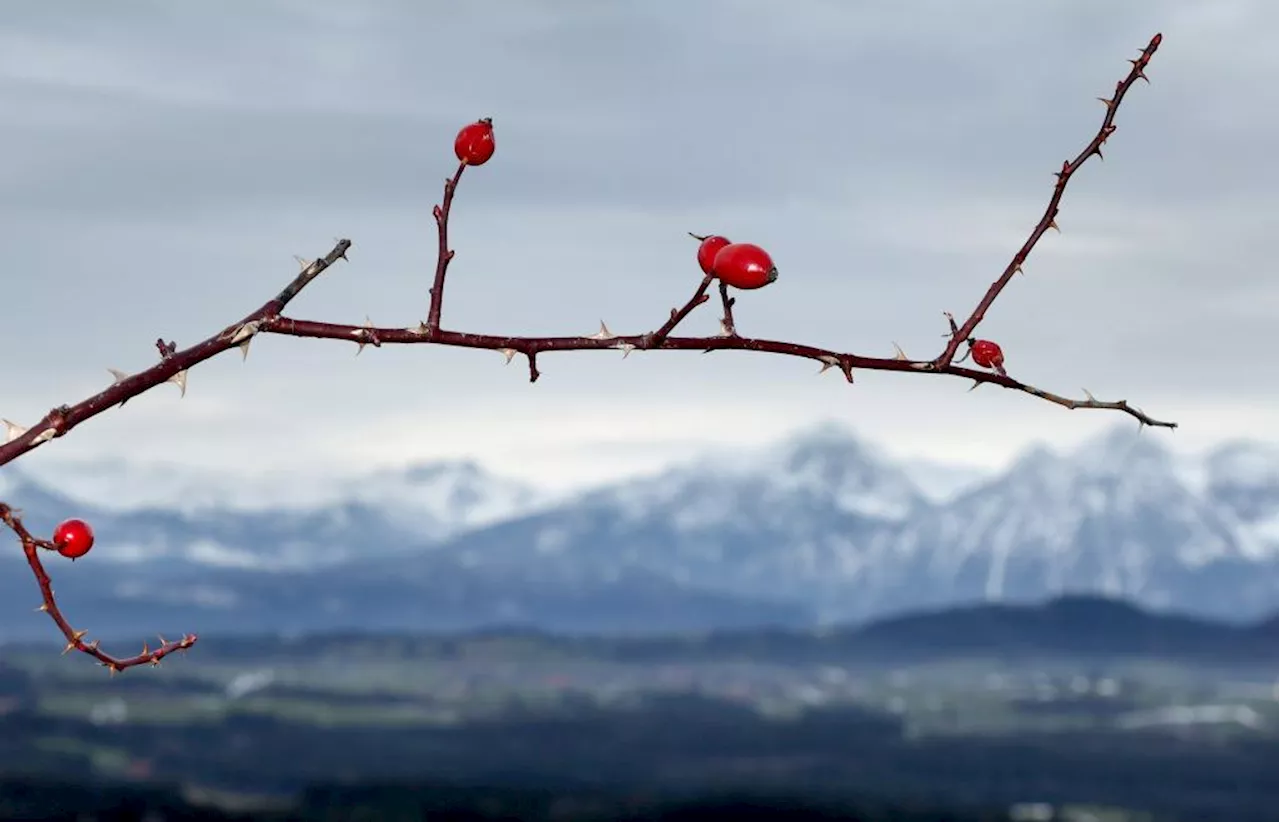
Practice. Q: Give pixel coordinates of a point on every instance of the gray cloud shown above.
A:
(163, 162)
(197, 109)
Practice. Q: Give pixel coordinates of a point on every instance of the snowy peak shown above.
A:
(1121, 449)
(440, 498)
(1244, 463)
(830, 461)
(1118, 496)
(823, 467)
(1243, 480)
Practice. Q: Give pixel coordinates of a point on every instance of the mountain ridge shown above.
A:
(820, 527)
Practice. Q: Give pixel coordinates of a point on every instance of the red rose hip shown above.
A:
(744, 265)
(474, 143)
(987, 354)
(708, 248)
(73, 538)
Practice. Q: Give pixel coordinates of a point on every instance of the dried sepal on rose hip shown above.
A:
(708, 247)
(474, 143)
(744, 265)
(987, 354)
(73, 538)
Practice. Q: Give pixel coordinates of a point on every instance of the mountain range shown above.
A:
(817, 529)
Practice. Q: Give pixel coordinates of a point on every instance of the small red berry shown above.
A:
(73, 537)
(474, 143)
(708, 249)
(987, 354)
(744, 265)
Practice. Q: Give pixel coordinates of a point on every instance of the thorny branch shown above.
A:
(268, 319)
(31, 546)
(1049, 219)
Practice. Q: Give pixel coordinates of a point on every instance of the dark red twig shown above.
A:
(444, 254)
(31, 546)
(1049, 219)
(727, 327)
(268, 319)
(699, 297)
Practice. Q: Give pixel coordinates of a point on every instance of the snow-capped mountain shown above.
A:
(384, 513)
(778, 525)
(1243, 481)
(823, 520)
(820, 524)
(1113, 518)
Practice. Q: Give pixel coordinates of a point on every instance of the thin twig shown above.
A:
(1049, 219)
(444, 254)
(727, 327)
(699, 297)
(75, 639)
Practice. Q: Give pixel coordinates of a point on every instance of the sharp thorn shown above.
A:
(12, 430)
(603, 334)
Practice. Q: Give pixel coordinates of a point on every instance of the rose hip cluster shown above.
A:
(741, 265)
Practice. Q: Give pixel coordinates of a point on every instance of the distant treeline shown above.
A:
(393, 802)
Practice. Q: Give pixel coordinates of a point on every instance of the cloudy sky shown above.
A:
(163, 163)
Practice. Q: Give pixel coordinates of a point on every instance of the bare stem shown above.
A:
(1049, 219)
(444, 255)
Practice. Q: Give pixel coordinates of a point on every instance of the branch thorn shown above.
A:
(366, 335)
(603, 334)
(12, 430)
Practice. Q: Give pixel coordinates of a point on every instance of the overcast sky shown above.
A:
(162, 163)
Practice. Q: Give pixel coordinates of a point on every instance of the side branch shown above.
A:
(172, 367)
(1049, 219)
(444, 254)
(75, 639)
